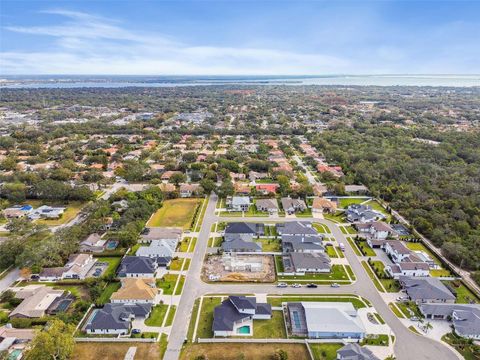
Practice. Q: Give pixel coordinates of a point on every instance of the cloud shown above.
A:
(83, 43)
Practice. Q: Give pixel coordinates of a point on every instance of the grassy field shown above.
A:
(270, 329)
(171, 315)
(464, 295)
(243, 351)
(325, 351)
(175, 212)
(114, 351)
(157, 316)
(187, 244)
(113, 263)
(345, 202)
(365, 248)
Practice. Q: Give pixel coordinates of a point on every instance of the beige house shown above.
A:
(135, 290)
(36, 300)
(323, 205)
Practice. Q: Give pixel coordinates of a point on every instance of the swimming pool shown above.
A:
(15, 354)
(243, 330)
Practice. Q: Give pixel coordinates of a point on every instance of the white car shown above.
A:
(296, 286)
(334, 285)
(282, 285)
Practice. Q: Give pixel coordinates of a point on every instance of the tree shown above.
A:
(178, 178)
(55, 342)
(207, 185)
(280, 355)
(225, 189)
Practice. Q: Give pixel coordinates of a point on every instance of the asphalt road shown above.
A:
(408, 346)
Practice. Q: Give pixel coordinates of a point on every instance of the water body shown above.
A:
(61, 81)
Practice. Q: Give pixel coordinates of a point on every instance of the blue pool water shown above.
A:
(243, 330)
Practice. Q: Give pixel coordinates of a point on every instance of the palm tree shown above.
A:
(390, 357)
(428, 326)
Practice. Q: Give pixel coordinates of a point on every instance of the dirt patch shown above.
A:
(239, 268)
(249, 351)
(114, 351)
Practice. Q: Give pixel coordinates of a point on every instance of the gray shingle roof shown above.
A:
(355, 352)
(114, 316)
(425, 288)
(136, 265)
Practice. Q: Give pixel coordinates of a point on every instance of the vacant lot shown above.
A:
(176, 212)
(114, 351)
(249, 351)
(72, 210)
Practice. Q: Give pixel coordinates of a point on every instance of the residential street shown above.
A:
(407, 344)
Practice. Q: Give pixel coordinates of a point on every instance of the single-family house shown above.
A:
(353, 351)
(300, 243)
(426, 290)
(135, 291)
(408, 268)
(267, 205)
(189, 190)
(238, 203)
(17, 211)
(36, 300)
(161, 251)
(291, 206)
(137, 266)
(93, 243)
(376, 230)
(358, 213)
(235, 315)
(245, 230)
(160, 233)
(116, 319)
(299, 228)
(325, 320)
(266, 189)
(46, 212)
(301, 263)
(323, 205)
(396, 250)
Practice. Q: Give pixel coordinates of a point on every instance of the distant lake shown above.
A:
(31, 82)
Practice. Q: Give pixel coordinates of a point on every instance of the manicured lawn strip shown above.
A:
(185, 244)
(162, 345)
(391, 285)
(340, 252)
(468, 350)
(440, 273)
(193, 319)
(277, 301)
(176, 264)
(324, 351)
(413, 329)
(350, 230)
(179, 288)
(395, 310)
(108, 291)
(306, 213)
(343, 230)
(279, 263)
(337, 273)
(187, 264)
(204, 329)
(270, 329)
(215, 242)
(167, 283)
(322, 228)
(350, 272)
(354, 246)
(379, 318)
(175, 212)
(171, 315)
(157, 316)
(372, 276)
(223, 351)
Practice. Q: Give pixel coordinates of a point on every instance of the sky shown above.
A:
(137, 37)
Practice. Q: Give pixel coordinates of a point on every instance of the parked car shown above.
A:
(296, 286)
(97, 272)
(334, 285)
(414, 318)
(136, 331)
(282, 285)
(312, 286)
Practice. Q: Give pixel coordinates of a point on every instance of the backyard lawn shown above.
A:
(113, 263)
(114, 351)
(175, 212)
(188, 244)
(270, 245)
(108, 291)
(463, 294)
(365, 248)
(325, 351)
(345, 202)
(270, 329)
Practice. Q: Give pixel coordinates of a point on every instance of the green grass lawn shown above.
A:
(157, 316)
(395, 310)
(440, 273)
(365, 248)
(331, 252)
(181, 282)
(354, 246)
(325, 351)
(468, 350)
(337, 217)
(193, 319)
(464, 295)
(391, 285)
(113, 263)
(408, 306)
(321, 228)
(376, 340)
(372, 276)
(270, 329)
(171, 315)
(337, 273)
(167, 283)
(175, 212)
(108, 291)
(376, 206)
(185, 244)
(345, 202)
(162, 345)
(176, 264)
(269, 245)
(418, 246)
(215, 242)
(279, 263)
(204, 329)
